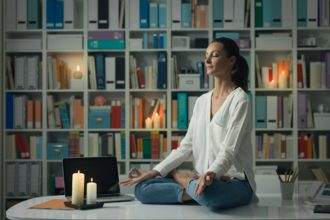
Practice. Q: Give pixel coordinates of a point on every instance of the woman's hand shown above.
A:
(203, 181)
(135, 176)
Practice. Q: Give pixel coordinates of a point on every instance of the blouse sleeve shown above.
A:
(179, 155)
(239, 125)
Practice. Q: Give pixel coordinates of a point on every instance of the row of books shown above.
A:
(106, 72)
(231, 13)
(107, 116)
(23, 14)
(23, 72)
(313, 146)
(148, 112)
(318, 75)
(64, 14)
(111, 40)
(269, 13)
(277, 74)
(69, 146)
(274, 146)
(274, 111)
(149, 76)
(105, 144)
(22, 112)
(305, 114)
(313, 13)
(198, 69)
(151, 145)
(23, 147)
(23, 178)
(147, 41)
(182, 109)
(242, 39)
(320, 174)
(60, 76)
(66, 113)
(104, 14)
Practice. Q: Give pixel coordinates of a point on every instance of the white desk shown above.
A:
(269, 207)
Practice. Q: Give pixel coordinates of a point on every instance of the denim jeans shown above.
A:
(219, 195)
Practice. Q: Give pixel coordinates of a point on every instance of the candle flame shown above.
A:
(78, 68)
(91, 179)
(78, 171)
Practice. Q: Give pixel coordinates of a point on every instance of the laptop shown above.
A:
(104, 172)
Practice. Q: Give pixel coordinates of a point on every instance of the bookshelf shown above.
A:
(51, 167)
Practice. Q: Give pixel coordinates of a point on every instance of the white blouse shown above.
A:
(221, 145)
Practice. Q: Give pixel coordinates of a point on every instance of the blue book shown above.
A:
(182, 110)
(33, 16)
(59, 15)
(162, 70)
(217, 13)
(267, 13)
(162, 15)
(9, 111)
(258, 17)
(64, 114)
(144, 14)
(100, 71)
(261, 111)
(276, 13)
(153, 15)
(39, 148)
(200, 71)
(57, 151)
(186, 14)
(145, 40)
(50, 10)
(302, 13)
(162, 40)
(154, 41)
(122, 145)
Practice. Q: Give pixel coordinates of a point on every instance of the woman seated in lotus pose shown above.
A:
(218, 138)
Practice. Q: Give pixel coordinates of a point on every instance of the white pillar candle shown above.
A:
(148, 123)
(156, 121)
(78, 182)
(283, 80)
(91, 192)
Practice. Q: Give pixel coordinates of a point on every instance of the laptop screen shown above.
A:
(103, 170)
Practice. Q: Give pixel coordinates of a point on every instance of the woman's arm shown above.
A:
(239, 125)
(178, 156)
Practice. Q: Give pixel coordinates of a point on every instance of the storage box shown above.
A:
(23, 44)
(64, 42)
(322, 120)
(99, 117)
(189, 81)
(180, 42)
(136, 43)
(274, 42)
(57, 151)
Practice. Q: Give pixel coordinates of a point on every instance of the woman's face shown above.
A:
(216, 61)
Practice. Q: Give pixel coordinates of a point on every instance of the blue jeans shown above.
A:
(219, 195)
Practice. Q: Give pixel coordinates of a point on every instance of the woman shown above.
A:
(218, 137)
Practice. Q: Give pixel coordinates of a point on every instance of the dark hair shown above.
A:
(240, 71)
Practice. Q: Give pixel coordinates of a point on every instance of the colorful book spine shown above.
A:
(182, 110)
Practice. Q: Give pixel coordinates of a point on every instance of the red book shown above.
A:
(115, 114)
(300, 76)
(133, 146)
(140, 76)
(22, 146)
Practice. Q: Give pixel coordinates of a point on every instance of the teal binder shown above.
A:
(186, 14)
(162, 11)
(231, 35)
(302, 13)
(33, 14)
(258, 13)
(267, 13)
(261, 111)
(217, 13)
(153, 15)
(276, 10)
(182, 110)
(112, 44)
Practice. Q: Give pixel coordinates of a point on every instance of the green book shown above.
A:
(258, 13)
(146, 143)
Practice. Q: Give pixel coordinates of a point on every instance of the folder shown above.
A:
(271, 111)
(312, 13)
(153, 15)
(50, 13)
(114, 14)
(217, 13)
(9, 111)
(182, 110)
(176, 14)
(78, 14)
(287, 13)
(110, 72)
(186, 13)
(228, 13)
(68, 14)
(10, 15)
(276, 9)
(33, 14)
(302, 13)
(100, 71)
(267, 13)
(302, 110)
(92, 14)
(103, 14)
(120, 72)
(144, 13)
(162, 15)
(134, 18)
(259, 13)
(21, 10)
(59, 14)
(162, 70)
(261, 111)
(239, 13)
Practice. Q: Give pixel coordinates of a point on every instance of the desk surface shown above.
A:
(269, 207)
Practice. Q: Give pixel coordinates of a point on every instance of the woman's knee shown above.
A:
(140, 191)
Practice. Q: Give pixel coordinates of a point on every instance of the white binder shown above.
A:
(110, 72)
(228, 13)
(92, 14)
(114, 13)
(287, 12)
(312, 13)
(21, 16)
(10, 19)
(68, 14)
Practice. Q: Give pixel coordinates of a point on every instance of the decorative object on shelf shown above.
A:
(77, 82)
(180, 42)
(99, 100)
(78, 182)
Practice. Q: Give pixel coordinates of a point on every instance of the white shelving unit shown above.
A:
(85, 93)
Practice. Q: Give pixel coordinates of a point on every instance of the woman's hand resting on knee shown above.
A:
(135, 176)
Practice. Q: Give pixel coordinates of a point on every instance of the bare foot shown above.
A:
(183, 176)
(136, 172)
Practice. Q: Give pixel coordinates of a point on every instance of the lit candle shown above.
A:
(282, 80)
(156, 121)
(78, 182)
(76, 81)
(91, 192)
(148, 123)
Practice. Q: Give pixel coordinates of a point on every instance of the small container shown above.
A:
(287, 189)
